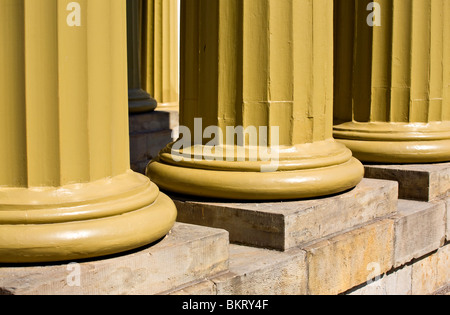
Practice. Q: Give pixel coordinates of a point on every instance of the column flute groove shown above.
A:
(160, 51)
(391, 81)
(66, 188)
(139, 99)
(248, 64)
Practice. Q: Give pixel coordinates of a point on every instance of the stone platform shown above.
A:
(187, 254)
(422, 182)
(285, 225)
(149, 134)
(402, 254)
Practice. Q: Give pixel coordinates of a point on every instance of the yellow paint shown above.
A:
(66, 191)
(160, 51)
(259, 63)
(392, 83)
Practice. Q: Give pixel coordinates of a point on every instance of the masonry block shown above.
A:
(205, 287)
(447, 227)
(432, 272)
(188, 254)
(255, 271)
(422, 182)
(419, 229)
(349, 259)
(149, 134)
(285, 225)
(396, 282)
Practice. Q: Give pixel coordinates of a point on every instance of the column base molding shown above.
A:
(304, 171)
(396, 142)
(82, 220)
(140, 101)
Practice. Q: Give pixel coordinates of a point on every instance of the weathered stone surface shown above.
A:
(447, 229)
(285, 225)
(397, 282)
(146, 146)
(444, 291)
(255, 271)
(349, 259)
(419, 229)
(422, 182)
(432, 272)
(149, 134)
(187, 254)
(153, 121)
(205, 287)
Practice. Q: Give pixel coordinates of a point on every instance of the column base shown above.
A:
(140, 101)
(396, 142)
(82, 220)
(303, 171)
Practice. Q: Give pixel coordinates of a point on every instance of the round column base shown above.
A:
(140, 101)
(396, 142)
(311, 174)
(82, 221)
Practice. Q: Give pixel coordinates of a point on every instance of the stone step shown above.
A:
(420, 228)
(341, 262)
(187, 254)
(285, 225)
(428, 275)
(256, 271)
(393, 255)
(149, 134)
(356, 257)
(328, 266)
(422, 182)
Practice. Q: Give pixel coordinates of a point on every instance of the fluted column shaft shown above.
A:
(392, 94)
(66, 190)
(257, 63)
(139, 99)
(160, 51)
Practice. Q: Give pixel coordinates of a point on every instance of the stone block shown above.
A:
(189, 253)
(255, 271)
(149, 134)
(431, 273)
(285, 225)
(146, 146)
(153, 121)
(351, 258)
(444, 291)
(419, 229)
(422, 182)
(396, 282)
(205, 287)
(447, 227)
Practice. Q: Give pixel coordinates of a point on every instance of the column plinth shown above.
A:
(255, 64)
(66, 190)
(392, 82)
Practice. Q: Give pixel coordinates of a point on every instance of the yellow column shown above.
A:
(139, 100)
(160, 51)
(392, 81)
(66, 190)
(256, 64)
